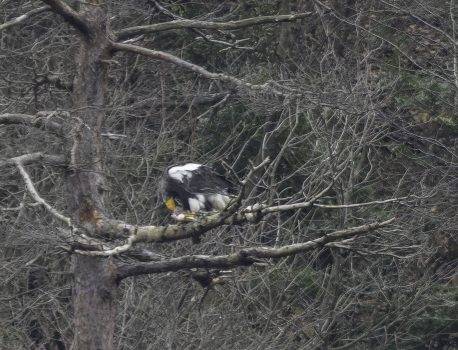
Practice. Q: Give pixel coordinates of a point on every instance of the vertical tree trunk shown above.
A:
(95, 287)
(95, 292)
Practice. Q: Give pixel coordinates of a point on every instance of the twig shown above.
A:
(213, 107)
(23, 17)
(355, 205)
(236, 203)
(232, 171)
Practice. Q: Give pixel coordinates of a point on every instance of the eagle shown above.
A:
(192, 188)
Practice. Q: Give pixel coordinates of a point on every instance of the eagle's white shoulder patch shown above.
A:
(180, 171)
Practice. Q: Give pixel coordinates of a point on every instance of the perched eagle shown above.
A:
(195, 188)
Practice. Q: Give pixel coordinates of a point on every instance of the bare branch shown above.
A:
(33, 192)
(69, 15)
(201, 34)
(236, 203)
(85, 245)
(158, 234)
(422, 20)
(188, 23)
(25, 159)
(410, 58)
(286, 207)
(22, 18)
(355, 205)
(108, 252)
(246, 256)
(212, 108)
(38, 121)
(231, 216)
(164, 56)
(119, 229)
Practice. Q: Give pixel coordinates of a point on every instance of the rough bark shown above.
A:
(95, 288)
(95, 292)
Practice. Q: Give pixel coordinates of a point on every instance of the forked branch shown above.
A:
(194, 24)
(244, 257)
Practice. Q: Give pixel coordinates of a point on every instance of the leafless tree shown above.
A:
(89, 137)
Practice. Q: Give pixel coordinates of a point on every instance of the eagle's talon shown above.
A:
(184, 217)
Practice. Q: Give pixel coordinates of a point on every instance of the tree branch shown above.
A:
(356, 205)
(69, 15)
(33, 192)
(237, 202)
(26, 159)
(108, 252)
(194, 24)
(38, 121)
(244, 257)
(111, 229)
(22, 18)
(200, 33)
(164, 56)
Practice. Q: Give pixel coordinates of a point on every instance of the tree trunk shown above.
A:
(95, 288)
(95, 291)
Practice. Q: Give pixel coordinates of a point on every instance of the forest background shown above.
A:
(339, 117)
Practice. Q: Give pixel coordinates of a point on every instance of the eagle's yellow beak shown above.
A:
(177, 213)
(170, 204)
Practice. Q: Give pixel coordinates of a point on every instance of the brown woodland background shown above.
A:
(364, 89)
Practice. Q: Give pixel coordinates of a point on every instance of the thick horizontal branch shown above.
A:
(115, 229)
(246, 256)
(118, 229)
(69, 15)
(164, 56)
(38, 157)
(22, 18)
(38, 121)
(157, 234)
(194, 24)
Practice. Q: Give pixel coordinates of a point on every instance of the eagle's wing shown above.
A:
(207, 181)
(201, 179)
